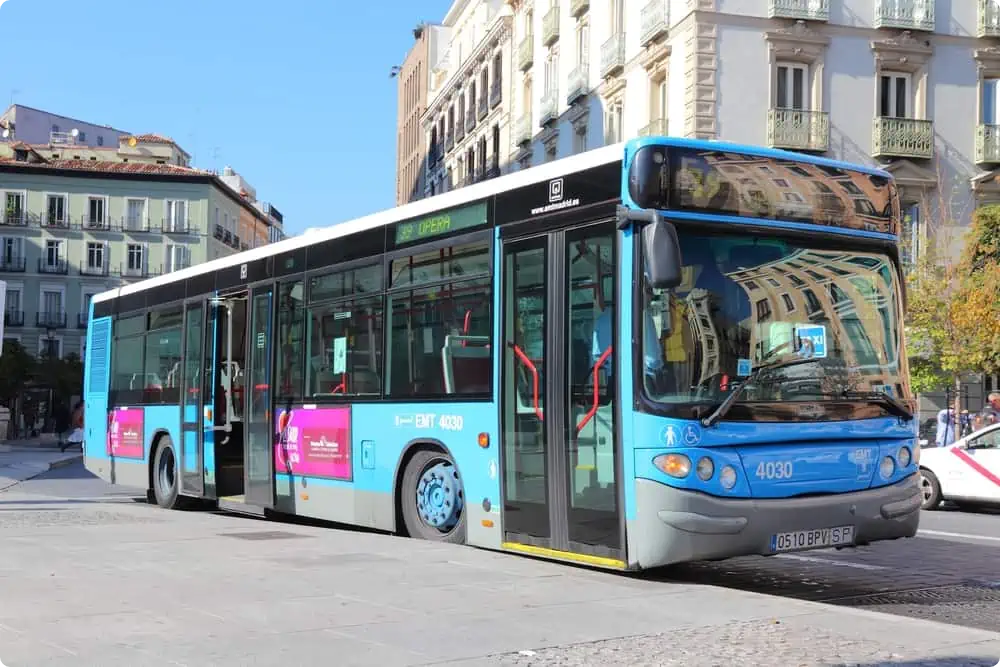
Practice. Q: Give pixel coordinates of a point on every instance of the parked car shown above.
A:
(966, 472)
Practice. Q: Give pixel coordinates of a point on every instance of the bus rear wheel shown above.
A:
(166, 489)
(433, 498)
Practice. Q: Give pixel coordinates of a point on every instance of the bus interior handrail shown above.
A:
(597, 390)
(523, 358)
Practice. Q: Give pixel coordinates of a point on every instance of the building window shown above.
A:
(95, 256)
(583, 44)
(579, 138)
(135, 214)
(614, 116)
(895, 95)
(50, 347)
(135, 258)
(13, 253)
(55, 209)
(792, 86)
(96, 210)
(100, 140)
(991, 97)
(13, 208)
(177, 257)
(176, 215)
(13, 303)
(53, 253)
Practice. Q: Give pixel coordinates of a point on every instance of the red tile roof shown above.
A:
(151, 139)
(109, 167)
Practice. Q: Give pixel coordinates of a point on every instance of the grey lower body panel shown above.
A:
(676, 526)
(126, 472)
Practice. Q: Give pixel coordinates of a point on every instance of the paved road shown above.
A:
(90, 577)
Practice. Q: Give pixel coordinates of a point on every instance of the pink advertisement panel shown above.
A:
(315, 442)
(125, 433)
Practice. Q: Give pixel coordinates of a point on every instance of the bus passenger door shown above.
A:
(559, 413)
(259, 439)
(192, 403)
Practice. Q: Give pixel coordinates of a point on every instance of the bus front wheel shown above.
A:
(166, 490)
(433, 499)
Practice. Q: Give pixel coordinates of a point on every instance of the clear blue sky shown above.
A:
(293, 94)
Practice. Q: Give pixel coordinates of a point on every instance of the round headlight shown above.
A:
(675, 465)
(886, 467)
(904, 457)
(727, 477)
(705, 468)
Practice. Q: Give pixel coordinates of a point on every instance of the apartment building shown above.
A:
(76, 220)
(910, 85)
(413, 83)
(35, 126)
(467, 119)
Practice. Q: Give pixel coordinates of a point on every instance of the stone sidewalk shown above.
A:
(123, 583)
(21, 460)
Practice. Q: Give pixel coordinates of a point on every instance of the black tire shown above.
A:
(931, 488)
(416, 526)
(166, 477)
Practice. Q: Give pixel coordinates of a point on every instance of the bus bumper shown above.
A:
(676, 526)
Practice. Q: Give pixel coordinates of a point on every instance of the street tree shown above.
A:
(16, 369)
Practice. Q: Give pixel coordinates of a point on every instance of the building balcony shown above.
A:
(796, 129)
(46, 320)
(549, 108)
(613, 55)
(988, 20)
(13, 318)
(483, 108)
(496, 92)
(805, 10)
(578, 82)
(236, 242)
(653, 21)
(227, 237)
(988, 144)
(526, 53)
(903, 137)
(12, 265)
(219, 232)
(141, 272)
(494, 168)
(470, 119)
(137, 226)
(522, 130)
(550, 26)
(905, 14)
(98, 225)
(59, 267)
(656, 127)
(176, 227)
(98, 270)
(55, 222)
(13, 218)
(578, 8)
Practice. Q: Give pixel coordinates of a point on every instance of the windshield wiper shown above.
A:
(726, 404)
(892, 404)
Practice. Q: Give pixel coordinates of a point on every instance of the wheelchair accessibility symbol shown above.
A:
(692, 435)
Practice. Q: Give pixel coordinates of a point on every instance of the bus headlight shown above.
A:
(675, 465)
(886, 467)
(705, 469)
(727, 477)
(904, 457)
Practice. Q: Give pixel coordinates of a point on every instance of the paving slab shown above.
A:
(18, 464)
(119, 582)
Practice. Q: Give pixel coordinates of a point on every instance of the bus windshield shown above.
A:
(747, 301)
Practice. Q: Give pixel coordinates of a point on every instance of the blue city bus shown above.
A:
(655, 352)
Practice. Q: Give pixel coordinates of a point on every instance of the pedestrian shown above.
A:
(991, 411)
(946, 427)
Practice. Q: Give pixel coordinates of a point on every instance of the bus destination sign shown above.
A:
(440, 224)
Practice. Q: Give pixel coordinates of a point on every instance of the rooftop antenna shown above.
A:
(13, 92)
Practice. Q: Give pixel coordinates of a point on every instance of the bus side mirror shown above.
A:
(663, 254)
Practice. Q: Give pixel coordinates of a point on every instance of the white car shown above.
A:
(967, 472)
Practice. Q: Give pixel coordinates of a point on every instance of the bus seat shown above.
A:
(465, 362)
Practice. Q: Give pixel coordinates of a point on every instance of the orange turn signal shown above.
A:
(484, 440)
(675, 465)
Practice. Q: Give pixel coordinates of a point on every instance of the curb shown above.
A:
(66, 462)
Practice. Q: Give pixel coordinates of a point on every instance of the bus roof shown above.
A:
(469, 194)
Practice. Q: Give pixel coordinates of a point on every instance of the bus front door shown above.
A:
(560, 445)
(192, 402)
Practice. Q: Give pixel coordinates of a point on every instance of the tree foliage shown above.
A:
(953, 309)
(16, 368)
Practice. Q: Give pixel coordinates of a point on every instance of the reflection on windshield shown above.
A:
(746, 302)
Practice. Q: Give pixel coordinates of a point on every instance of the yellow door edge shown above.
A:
(586, 559)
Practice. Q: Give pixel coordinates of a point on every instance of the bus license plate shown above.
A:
(819, 538)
